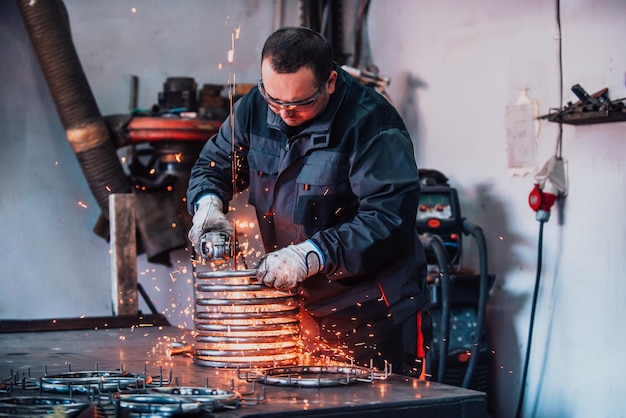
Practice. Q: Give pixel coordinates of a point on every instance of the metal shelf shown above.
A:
(589, 114)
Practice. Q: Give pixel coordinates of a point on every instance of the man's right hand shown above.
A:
(209, 217)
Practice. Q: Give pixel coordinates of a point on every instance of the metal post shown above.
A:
(123, 254)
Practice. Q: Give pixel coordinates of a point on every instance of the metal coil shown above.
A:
(242, 323)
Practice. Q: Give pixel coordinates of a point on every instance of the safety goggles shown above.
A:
(293, 106)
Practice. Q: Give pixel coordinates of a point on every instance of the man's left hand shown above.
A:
(285, 268)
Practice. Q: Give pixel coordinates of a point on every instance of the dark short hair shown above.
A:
(291, 48)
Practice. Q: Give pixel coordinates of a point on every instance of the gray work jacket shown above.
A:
(348, 181)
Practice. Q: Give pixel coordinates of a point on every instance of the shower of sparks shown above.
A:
(233, 37)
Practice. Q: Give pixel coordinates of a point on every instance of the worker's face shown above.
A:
(296, 97)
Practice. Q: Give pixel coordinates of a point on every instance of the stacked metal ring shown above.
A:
(243, 323)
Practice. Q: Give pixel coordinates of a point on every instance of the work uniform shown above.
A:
(348, 181)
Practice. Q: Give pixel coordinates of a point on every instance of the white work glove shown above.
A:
(285, 268)
(209, 217)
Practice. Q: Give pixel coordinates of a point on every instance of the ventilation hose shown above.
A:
(47, 24)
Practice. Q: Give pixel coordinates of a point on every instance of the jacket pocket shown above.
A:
(324, 196)
(263, 171)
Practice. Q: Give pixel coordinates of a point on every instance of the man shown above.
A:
(333, 179)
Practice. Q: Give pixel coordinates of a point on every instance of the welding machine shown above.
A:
(439, 213)
(459, 352)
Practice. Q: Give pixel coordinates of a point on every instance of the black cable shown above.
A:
(436, 244)
(559, 142)
(520, 403)
(558, 154)
(477, 233)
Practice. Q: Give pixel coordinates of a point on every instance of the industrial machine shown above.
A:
(459, 352)
(439, 213)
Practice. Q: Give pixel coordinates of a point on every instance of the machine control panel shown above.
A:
(439, 213)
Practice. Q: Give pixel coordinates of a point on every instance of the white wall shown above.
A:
(467, 62)
(456, 68)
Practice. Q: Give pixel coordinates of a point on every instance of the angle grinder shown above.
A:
(216, 247)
